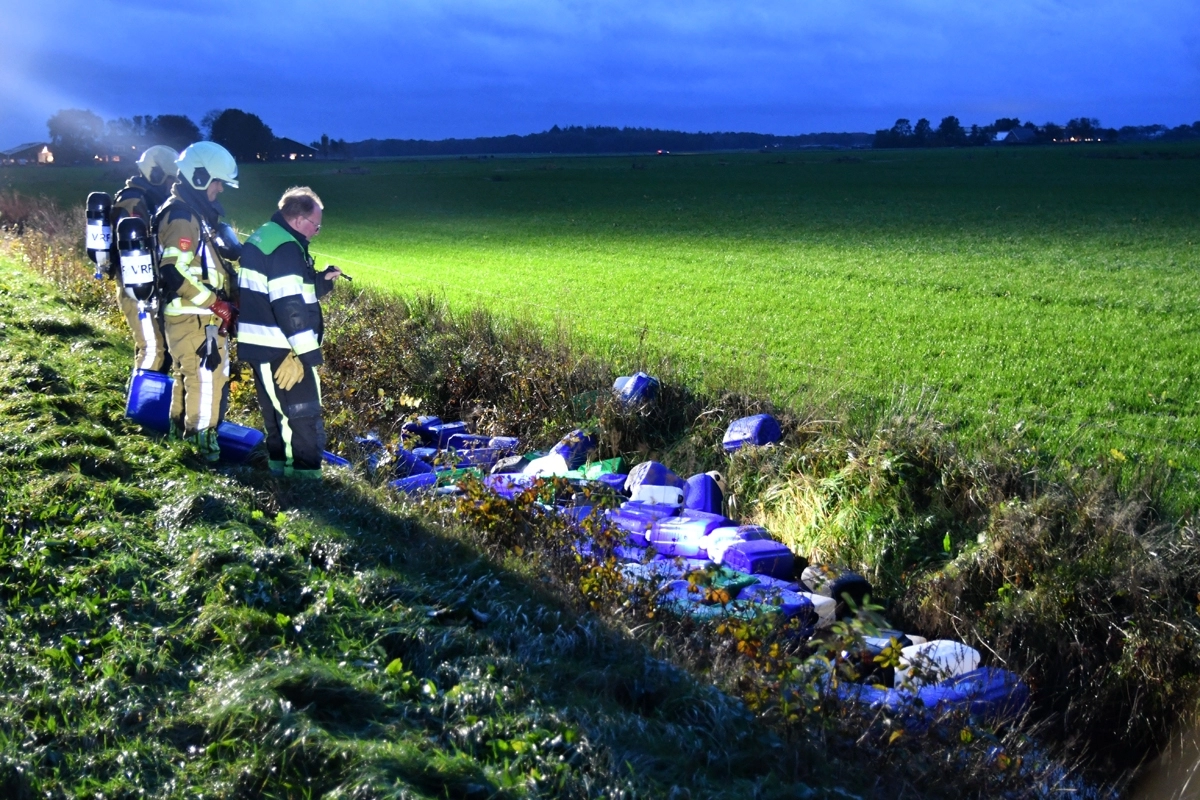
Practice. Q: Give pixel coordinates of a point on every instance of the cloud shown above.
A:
(478, 67)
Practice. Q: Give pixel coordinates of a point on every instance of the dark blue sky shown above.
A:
(417, 69)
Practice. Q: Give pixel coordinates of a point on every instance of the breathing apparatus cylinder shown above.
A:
(137, 260)
(98, 238)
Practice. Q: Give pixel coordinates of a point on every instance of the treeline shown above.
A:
(951, 133)
(81, 136)
(600, 139)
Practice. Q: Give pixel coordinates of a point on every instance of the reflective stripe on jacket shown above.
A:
(279, 292)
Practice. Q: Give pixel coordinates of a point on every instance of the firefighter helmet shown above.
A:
(158, 163)
(204, 162)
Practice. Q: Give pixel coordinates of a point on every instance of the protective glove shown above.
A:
(209, 352)
(228, 312)
(290, 372)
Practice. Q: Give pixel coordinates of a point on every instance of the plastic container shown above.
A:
(548, 465)
(652, 473)
(758, 430)
(637, 518)
(790, 604)
(681, 536)
(762, 556)
(877, 644)
(416, 483)
(482, 457)
(574, 448)
(236, 441)
(508, 485)
(632, 390)
(933, 662)
(614, 481)
(149, 400)
(988, 693)
(703, 494)
(467, 441)
(824, 607)
(508, 444)
(510, 464)
(721, 520)
(334, 460)
(445, 431)
(659, 495)
(407, 463)
(421, 430)
(717, 542)
(836, 583)
(426, 454)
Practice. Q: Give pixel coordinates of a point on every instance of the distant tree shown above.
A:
(950, 132)
(173, 130)
(923, 133)
(206, 122)
(1052, 132)
(75, 135)
(1083, 128)
(243, 134)
(978, 136)
(125, 136)
(1005, 124)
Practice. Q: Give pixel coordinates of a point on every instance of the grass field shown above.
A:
(1051, 291)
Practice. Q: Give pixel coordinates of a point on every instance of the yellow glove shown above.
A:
(290, 372)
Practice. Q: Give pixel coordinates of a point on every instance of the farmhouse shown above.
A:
(1015, 136)
(285, 149)
(28, 153)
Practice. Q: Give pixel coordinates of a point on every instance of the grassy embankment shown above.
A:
(1087, 590)
(172, 631)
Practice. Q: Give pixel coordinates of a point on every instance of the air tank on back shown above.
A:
(137, 260)
(98, 236)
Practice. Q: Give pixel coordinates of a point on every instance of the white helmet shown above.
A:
(204, 162)
(158, 163)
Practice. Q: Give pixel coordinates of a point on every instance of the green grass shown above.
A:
(173, 632)
(1049, 290)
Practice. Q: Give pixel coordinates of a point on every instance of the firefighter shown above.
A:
(141, 197)
(281, 329)
(197, 283)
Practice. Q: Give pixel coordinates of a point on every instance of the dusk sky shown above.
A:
(421, 69)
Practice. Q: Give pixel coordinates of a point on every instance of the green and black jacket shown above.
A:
(279, 293)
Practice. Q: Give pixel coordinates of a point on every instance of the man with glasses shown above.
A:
(280, 330)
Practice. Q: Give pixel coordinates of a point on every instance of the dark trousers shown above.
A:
(292, 420)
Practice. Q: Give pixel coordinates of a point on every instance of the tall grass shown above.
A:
(1083, 585)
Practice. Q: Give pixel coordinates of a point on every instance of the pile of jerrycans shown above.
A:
(673, 528)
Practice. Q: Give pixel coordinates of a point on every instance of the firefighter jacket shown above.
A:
(193, 274)
(279, 291)
(141, 198)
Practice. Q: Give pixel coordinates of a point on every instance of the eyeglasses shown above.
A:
(316, 225)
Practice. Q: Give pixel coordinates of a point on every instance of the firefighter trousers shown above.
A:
(201, 371)
(292, 419)
(149, 341)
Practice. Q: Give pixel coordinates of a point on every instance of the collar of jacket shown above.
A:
(198, 201)
(278, 219)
